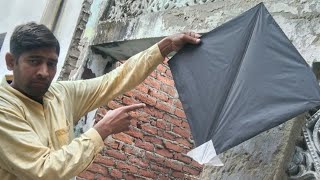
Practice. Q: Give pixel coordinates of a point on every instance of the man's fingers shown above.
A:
(133, 107)
(191, 37)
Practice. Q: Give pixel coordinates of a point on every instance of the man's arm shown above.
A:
(23, 154)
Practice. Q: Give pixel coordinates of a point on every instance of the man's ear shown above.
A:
(10, 61)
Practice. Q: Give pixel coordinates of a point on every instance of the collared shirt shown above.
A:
(37, 140)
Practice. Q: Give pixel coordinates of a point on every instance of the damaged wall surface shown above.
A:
(127, 27)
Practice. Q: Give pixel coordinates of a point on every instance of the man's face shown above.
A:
(34, 71)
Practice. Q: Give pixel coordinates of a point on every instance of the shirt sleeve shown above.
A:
(22, 153)
(86, 95)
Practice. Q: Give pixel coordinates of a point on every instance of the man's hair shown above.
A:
(32, 36)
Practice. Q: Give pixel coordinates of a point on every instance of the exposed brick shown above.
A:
(111, 143)
(147, 173)
(135, 133)
(114, 105)
(153, 82)
(159, 95)
(172, 146)
(134, 122)
(156, 158)
(116, 173)
(182, 158)
(165, 80)
(164, 152)
(169, 90)
(167, 135)
(162, 177)
(116, 154)
(154, 112)
(173, 164)
(123, 137)
(153, 74)
(162, 125)
(87, 175)
(162, 68)
(172, 120)
(132, 177)
(154, 140)
(102, 177)
(144, 145)
(138, 162)
(129, 101)
(178, 174)
(190, 170)
(127, 167)
(168, 73)
(184, 142)
(145, 98)
(149, 129)
(183, 132)
(104, 160)
(98, 169)
(185, 124)
(164, 107)
(140, 115)
(196, 164)
(134, 151)
(179, 113)
(142, 88)
(159, 169)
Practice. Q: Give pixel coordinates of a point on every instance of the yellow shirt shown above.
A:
(37, 141)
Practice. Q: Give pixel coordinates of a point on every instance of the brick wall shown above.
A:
(158, 139)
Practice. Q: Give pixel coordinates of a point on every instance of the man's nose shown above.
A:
(43, 70)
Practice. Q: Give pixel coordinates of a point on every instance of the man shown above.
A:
(37, 117)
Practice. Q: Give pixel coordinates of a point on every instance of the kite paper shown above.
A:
(244, 78)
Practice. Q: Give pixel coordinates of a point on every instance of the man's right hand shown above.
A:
(116, 121)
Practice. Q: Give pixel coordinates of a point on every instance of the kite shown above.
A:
(244, 78)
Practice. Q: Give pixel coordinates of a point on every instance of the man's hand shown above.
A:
(177, 41)
(116, 121)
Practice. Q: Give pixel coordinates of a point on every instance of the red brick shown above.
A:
(104, 160)
(164, 107)
(144, 145)
(127, 167)
(178, 174)
(172, 146)
(114, 105)
(154, 74)
(182, 158)
(102, 177)
(159, 169)
(87, 175)
(169, 90)
(154, 112)
(145, 98)
(159, 95)
(123, 137)
(184, 142)
(142, 88)
(116, 173)
(135, 133)
(162, 125)
(165, 80)
(173, 165)
(111, 143)
(140, 115)
(162, 68)
(134, 151)
(179, 113)
(164, 152)
(98, 169)
(116, 154)
(162, 177)
(196, 164)
(138, 162)
(190, 170)
(167, 135)
(153, 82)
(185, 124)
(129, 101)
(149, 129)
(183, 132)
(132, 177)
(156, 158)
(147, 173)
(169, 74)
(172, 120)
(153, 140)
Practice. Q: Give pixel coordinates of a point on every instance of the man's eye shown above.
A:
(34, 61)
(50, 64)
